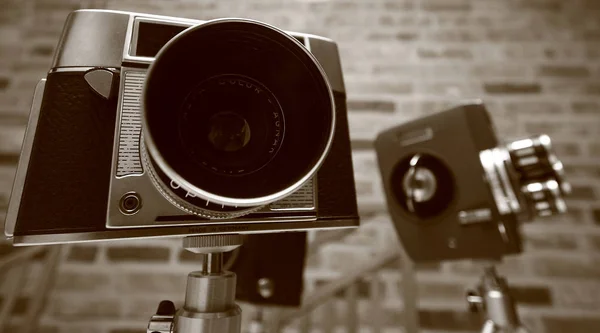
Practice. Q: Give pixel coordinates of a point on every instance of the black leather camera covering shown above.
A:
(67, 182)
(459, 135)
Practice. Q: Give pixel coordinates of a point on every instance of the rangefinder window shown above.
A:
(151, 37)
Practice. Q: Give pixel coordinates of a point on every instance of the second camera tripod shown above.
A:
(492, 298)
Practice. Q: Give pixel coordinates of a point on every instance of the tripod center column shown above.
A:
(209, 305)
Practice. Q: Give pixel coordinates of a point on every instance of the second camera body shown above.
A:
(455, 192)
(150, 126)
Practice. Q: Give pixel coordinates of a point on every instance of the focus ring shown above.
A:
(182, 204)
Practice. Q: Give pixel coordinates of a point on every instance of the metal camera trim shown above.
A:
(161, 163)
(109, 49)
(14, 202)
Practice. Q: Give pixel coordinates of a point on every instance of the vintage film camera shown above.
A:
(155, 126)
(455, 192)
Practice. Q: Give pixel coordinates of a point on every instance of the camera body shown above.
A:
(455, 192)
(82, 175)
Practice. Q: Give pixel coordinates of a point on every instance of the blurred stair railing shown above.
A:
(348, 284)
(14, 269)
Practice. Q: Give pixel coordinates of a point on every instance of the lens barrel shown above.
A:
(237, 114)
(526, 178)
(540, 175)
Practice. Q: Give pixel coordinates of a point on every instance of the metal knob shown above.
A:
(212, 243)
(540, 175)
(475, 301)
(162, 321)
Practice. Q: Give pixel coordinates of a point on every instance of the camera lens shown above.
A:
(237, 113)
(231, 125)
(539, 175)
(423, 185)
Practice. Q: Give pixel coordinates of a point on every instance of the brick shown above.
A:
(7, 174)
(594, 241)
(509, 266)
(533, 108)
(454, 35)
(364, 187)
(127, 330)
(137, 253)
(63, 5)
(448, 320)
(404, 36)
(592, 52)
(445, 5)
(550, 241)
(513, 35)
(594, 149)
(564, 71)
(502, 70)
(79, 308)
(566, 149)
(569, 127)
(512, 88)
(585, 107)
(366, 105)
(361, 144)
(151, 282)
(190, 257)
(82, 253)
(539, 5)
(48, 329)
(447, 53)
(581, 192)
(584, 296)
(83, 326)
(566, 267)
(568, 87)
(571, 325)
(582, 170)
(363, 288)
(468, 89)
(11, 138)
(388, 20)
(428, 267)
(439, 290)
(393, 5)
(574, 216)
(4, 83)
(344, 258)
(144, 307)
(569, 52)
(83, 281)
(521, 51)
(20, 306)
(531, 295)
(394, 88)
(592, 88)
(42, 50)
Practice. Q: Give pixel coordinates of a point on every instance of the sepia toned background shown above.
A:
(536, 64)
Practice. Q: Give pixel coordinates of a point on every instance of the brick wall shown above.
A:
(535, 63)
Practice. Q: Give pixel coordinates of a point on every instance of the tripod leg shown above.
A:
(522, 329)
(488, 327)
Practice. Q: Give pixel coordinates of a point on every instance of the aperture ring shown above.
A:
(182, 204)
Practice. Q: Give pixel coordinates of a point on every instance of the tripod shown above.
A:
(493, 298)
(209, 305)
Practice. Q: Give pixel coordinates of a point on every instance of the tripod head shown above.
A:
(210, 292)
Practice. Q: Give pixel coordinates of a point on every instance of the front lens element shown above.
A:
(237, 112)
(231, 124)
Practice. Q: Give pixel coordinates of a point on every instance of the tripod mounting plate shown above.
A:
(212, 243)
